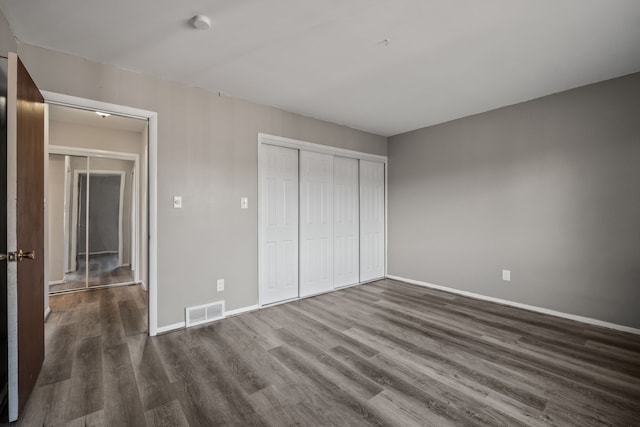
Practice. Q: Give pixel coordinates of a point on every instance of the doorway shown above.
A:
(148, 178)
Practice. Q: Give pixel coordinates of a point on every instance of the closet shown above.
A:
(322, 221)
(316, 223)
(346, 223)
(371, 220)
(279, 224)
(93, 214)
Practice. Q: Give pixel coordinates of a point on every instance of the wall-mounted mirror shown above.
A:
(91, 222)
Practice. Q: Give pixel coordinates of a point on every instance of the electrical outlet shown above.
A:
(506, 275)
(220, 285)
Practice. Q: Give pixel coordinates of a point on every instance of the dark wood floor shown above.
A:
(384, 353)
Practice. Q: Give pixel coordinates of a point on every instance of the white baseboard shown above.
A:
(99, 253)
(56, 282)
(169, 328)
(144, 285)
(237, 311)
(534, 308)
(369, 281)
(47, 312)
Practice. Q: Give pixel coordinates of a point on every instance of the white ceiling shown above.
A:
(322, 58)
(90, 118)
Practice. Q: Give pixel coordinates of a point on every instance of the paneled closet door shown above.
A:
(279, 224)
(371, 220)
(316, 223)
(346, 222)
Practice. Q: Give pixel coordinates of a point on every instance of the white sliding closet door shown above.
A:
(279, 224)
(371, 220)
(316, 223)
(346, 259)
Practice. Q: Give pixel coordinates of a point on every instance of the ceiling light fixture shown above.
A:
(103, 115)
(201, 22)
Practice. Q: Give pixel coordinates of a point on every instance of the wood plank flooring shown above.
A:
(384, 353)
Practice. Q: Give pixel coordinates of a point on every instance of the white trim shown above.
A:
(87, 209)
(91, 104)
(47, 313)
(242, 310)
(152, 117)
(152, 169)
(91, 152)
(134, 205)
(259, 219)
(371, 281)
(339, 288)
(280, 141)
(99, 253)
(386, 218)
(12, 268)
(273, 304)
(45, 159)
(91, 288)
(169, 328)
(581, 319)
(55, 282)
(73, 260)
(66, 208)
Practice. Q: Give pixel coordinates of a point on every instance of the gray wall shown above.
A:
(208, 154)
(55, 210)
(104, 208)
(549, 189)
(7, 40)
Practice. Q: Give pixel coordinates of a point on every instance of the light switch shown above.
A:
(244, 203)
(177, 202)
(506, 275)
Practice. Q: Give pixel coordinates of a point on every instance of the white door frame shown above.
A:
(280, 141)
(152, 117)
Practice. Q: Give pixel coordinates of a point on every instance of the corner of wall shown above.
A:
(8, 41)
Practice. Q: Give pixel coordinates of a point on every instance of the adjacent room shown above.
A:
(320, 213)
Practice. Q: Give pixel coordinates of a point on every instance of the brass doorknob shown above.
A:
(29, 255)
(19, 255)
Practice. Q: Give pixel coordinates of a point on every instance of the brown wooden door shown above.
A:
(25, 229)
